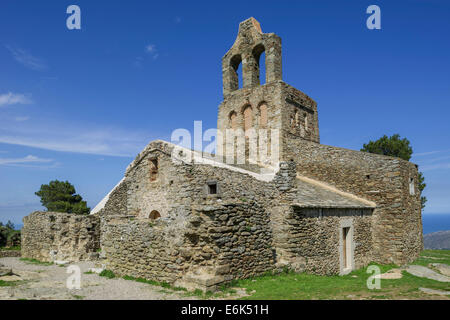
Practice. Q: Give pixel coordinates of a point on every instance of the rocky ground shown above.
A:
(46, 282)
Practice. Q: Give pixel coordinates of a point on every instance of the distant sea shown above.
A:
(433, 222)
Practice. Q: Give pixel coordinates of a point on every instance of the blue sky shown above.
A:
(78, 105)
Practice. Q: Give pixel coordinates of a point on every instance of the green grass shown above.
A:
(77, 297)
(8, 283)
(34, 261)
(154, 283)
(300, 286)
(433, 256)
(296, 286)
(107, 273)
(89, 272)
(16, 248)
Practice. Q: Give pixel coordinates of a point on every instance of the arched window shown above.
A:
(233, 120)
(235, 63)
(263, 115)
(247, 118)
(260, 58)
(154, 215)
(153, 169)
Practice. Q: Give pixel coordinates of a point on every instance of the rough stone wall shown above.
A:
(141, 248)
(50, 236)
(299, 115)
(314, 238)
(382, 179)
(200, 238)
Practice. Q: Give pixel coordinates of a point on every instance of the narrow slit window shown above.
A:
(212, 188)
(153, 169)
(412, 190)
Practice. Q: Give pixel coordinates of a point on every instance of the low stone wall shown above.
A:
(217, 244)
(50, 236)
(9, 253)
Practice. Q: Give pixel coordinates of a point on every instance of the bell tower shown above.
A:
(285, 112)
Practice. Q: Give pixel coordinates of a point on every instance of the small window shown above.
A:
(153, 169)
(412, 190)
(154, 215)
(212, 188)
(306, 121)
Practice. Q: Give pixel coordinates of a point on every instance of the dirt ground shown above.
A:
(44, 282)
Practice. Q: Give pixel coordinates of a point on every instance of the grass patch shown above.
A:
(300, 286)
(78, 297)
(89, 272)
(16, 248)
(154, 283)
(35, 261)
(433, 256)
(8, 283)
(107, 274)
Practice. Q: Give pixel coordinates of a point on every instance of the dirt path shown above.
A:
(49, 282)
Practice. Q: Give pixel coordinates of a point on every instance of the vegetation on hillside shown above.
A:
(9, 236)
(395, 147)
(60, 196)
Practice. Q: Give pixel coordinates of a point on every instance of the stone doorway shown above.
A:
(346, 247)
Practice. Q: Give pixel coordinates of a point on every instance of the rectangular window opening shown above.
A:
(212, 188)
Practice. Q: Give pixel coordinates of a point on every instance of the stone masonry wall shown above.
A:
(50, 236)
(315, 238)
(397, 231)
(200, 238)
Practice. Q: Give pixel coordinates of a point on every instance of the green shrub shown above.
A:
(107, 274)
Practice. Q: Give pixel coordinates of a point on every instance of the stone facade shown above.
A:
(50, 236)
(200, 223)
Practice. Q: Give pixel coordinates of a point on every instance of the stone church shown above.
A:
(317, 209)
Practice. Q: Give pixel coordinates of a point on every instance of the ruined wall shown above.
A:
(50, 236)
(382, 179)
(141, 248)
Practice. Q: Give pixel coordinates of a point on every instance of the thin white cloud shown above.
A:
(24, 160)
(436, 166)
(421, 154)
(13, 98)
(20, 119)
(87, 139)
(26, 59)
(151, 49)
